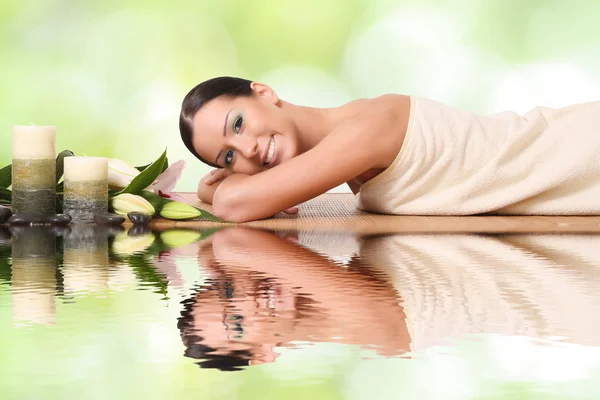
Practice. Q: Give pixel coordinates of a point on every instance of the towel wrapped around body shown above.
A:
(455, 162)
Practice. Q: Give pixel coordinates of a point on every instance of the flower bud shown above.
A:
(120, 174)
(127, 202)
(179, 210)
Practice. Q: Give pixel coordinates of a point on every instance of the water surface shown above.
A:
(241, 313)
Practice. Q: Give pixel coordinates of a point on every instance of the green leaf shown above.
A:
(6, 176)
(209, 216)
(146, 177)
(60, 163)
(143, 167)
(5, 195)
(154, 199)
(60, 187)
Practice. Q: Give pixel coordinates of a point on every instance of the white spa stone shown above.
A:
(81, 168)
(32, 142)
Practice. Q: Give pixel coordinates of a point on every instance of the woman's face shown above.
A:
(245, 134)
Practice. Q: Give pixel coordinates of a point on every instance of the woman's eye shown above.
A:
(228, 157)
(237, 124)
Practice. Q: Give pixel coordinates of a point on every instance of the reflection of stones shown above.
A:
(85, 260)
(33, 275)
(33, 243)
(5, 214)
(138, 230)
(5, 236)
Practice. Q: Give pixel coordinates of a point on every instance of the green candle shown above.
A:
(34, 169)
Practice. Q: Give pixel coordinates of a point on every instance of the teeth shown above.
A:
(271, 151)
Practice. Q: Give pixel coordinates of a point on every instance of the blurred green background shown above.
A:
(111, 74)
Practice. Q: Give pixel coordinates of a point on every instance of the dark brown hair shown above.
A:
(202, 94)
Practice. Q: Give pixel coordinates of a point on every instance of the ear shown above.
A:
(265, 91)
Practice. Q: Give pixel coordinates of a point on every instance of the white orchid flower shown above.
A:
(165, 182)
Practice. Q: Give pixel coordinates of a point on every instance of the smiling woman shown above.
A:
(401, 154)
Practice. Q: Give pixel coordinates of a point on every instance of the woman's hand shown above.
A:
(216, 175)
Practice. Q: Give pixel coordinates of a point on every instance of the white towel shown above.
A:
(455, 162)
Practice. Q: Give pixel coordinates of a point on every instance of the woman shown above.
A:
(402, 154)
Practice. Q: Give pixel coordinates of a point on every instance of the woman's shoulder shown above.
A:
(398, 103)
(379, 125)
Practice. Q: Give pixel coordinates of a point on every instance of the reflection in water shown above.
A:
(238, 297)
(540, 286)
(33, 275)
(85, 260)
(266, 291)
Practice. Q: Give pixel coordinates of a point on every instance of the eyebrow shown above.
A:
(224, 132)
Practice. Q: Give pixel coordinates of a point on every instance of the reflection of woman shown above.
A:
(405, 154)
(267, 291)
(452, 285)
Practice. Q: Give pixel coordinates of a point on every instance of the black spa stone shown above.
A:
(138, 218)
(27, 218)
(5, 214)
(59, 219)
(107, 218)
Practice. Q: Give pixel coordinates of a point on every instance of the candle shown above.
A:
(34, 169)
(86, 187)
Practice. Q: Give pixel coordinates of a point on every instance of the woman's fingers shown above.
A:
(291, 210)
(215, 176)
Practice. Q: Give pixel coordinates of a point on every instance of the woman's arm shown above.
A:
(210, 182)
(368, 141)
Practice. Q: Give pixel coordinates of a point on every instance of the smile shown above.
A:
(271, 151)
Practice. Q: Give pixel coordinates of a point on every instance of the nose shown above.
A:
(248, 146)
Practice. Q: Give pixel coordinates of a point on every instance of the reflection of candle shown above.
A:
(34, 275)
(85, 260)
(86, 187)
(34, 169)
